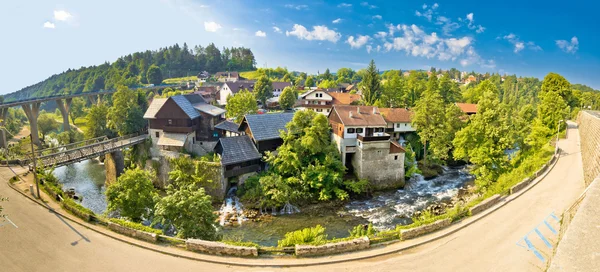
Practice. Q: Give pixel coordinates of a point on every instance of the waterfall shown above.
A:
(232, 207)
(289, 209)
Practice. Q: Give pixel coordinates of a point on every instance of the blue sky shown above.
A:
(527, 38)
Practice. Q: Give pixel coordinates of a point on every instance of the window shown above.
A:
(359, 130)
(157, 134)
(319, 110)
(405, 124)
(397, 125)
(378, 129)
(350, 130)
(396, 157)
(170, 121)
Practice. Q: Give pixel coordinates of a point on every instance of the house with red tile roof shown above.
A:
(467, 108)
(398, 121)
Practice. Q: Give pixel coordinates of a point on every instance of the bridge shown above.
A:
(31, 107)
(80, 151)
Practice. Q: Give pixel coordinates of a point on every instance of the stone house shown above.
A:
(365, 148)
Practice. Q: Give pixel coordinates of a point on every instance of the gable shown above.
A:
(170, 110)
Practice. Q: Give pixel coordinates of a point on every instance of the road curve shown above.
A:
(40, 240)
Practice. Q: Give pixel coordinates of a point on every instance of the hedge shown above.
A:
(136, 226)
(77, 209)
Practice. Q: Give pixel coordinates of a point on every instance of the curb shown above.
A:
(505, 200)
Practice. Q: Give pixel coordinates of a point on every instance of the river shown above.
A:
(384, 210)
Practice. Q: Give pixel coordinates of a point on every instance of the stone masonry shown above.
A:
(333, 248)
(373, 161)
(589, 132)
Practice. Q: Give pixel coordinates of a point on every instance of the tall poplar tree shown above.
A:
(371, 84)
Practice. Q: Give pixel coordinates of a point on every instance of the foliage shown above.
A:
(71, 203)
(327, 84)
(557, 84)
(46, 124)
(126, 117)
(358, 187)
(360, 231)
(241, 104)
(393, 91)
(136, 226)
(186, 171)
(77, 108)
(97, 124)
(410, 163)
(263, 90)
(133, 194)
(428, 118)
(176, 80)
(154, 75)
(308, 236)
(15, 119)
(287, 99)
(310, 82)
(371, 84)
(189, 210)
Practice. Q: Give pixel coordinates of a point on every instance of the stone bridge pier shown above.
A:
(3, 115)
(63, 107)
(114, 163)
(32, 111)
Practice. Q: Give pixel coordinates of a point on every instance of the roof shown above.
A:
(350, 87)
(315, 90)
(154, 107)
(467, 108)
(396, 115)
(186, 106)
(209, 109)
(235, 87)
(396, 148)
(172, 139)
(281, 85)
(344, 98)
(344, 85)
(267, 126)
(361, 115)
(206, 90)
(227, 74)
(237, 149)
(228, 126)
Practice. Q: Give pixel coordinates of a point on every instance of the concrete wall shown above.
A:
(218, 248)
(589, 132)
(146, 236)
(374, 162)
(491, 201)
(333, 248)
(418, 231)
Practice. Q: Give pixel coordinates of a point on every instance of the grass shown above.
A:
(83, 210)
(136, 226)
(81, 123)
(240, 243)
(251, 74)
(175, 80)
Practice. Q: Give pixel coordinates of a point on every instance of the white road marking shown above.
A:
(11, 222)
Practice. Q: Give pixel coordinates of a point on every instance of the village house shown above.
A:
(231, 88)
(203, 76)
(316, 100)
(264, 129)
(227, 76)
(398, 121)
(209, 93)
(183, 123)
(345, 98)
(365, 148)
(238, 156)
(279, 86)
(467, 108)
(470, 79)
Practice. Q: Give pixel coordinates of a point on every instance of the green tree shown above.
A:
(189, 210)
(124, 116)
(371, 84)
(327, 75)
(76, 109)
(46, 124)
(98, 83)
(287, 99)
(393, 91)
(263, 90)
(97, 123)
(241, 104)
(133, 194)
(449, 90)
(327, 84)
(310, 82)
(344, 75)
(558, 84)
(154, 75)
(486, 137)
(429, 119)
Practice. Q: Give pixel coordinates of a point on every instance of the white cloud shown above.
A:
(568, 47)
(238, 29)
(471, 23)
(62, 15)
(428, 14)
(260, 34)
(319, 33)
(377, 17)
(378, 48)
(366, 4)
(344, 5)
(337, 21)
(296, 7)
(277, 29)
(369, 48)
(380, 35)
(480, 29)
(49, 25)
(435, 6)
(448, 25)
(211, 26)
(470, 17)
(358, 42)
(519, 44)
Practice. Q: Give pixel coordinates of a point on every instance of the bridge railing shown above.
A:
(61, 148)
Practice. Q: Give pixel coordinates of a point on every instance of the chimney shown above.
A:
(358, 109)
(374, 110)
(350, 113)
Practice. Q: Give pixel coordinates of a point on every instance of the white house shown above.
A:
(316, 100)
(398, 121)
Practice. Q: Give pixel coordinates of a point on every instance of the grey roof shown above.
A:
(237, 86)
(209, 109)
(228, 126)
(194, 98)
(238, 149)
(154, 107)
(186, 106)
(267, 126)
(281, 85)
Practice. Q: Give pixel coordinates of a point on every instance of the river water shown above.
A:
(384, 210)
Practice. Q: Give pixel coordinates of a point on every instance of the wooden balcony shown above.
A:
(242, 170)
(385, 137)
(178, 129)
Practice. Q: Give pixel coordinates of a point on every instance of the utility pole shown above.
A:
(37, 185)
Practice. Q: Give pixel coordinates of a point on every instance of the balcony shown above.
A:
(242, 170)
(178, 129)
(383, 137)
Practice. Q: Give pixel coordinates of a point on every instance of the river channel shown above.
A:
(384, 210)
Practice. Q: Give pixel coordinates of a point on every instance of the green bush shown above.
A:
(74, 205)
(308, 236)
(52, 189)
(135, 226)
(360, 231)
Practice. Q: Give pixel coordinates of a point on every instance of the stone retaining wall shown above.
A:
(78, 213)
(589, 132)
(519, 186)
(406, 234)
(142, 235)
(218, 248)
(333, 248)
(491, 201)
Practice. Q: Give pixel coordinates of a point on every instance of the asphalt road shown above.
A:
(42, 241)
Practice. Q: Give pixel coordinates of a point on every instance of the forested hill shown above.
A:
(132, 70)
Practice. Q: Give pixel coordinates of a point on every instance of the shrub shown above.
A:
(360, 231)
(77, 209)
(52, 189)
(136, 226)
(308, 236)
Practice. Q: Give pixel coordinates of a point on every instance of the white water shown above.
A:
(232, 206)
(387, 210)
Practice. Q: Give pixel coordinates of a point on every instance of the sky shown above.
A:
(527, 38)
